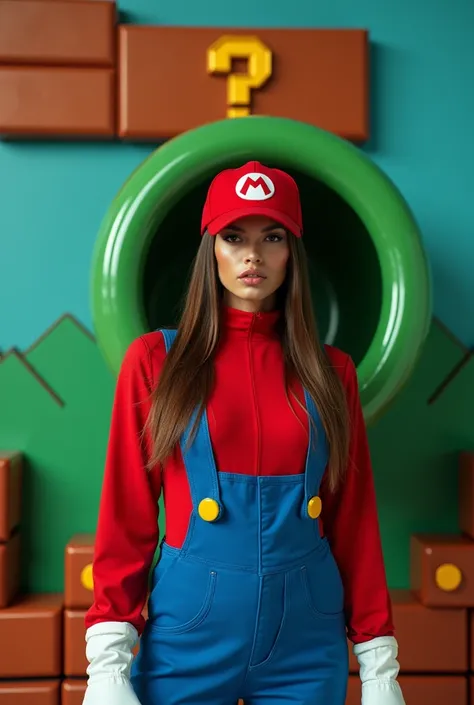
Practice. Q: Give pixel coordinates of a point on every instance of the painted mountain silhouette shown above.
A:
(415, 449)
(55, 408)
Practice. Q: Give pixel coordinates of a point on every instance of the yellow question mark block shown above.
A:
(240, 85)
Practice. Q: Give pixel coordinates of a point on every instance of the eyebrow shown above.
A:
(266, 229)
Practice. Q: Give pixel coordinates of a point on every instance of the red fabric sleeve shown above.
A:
(351, 525)
(127, 529)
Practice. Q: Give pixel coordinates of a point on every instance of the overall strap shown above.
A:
(169, 334)
(316, 458)
(199, 459)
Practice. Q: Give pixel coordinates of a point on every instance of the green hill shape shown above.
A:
(56, 403)
(415, 449)
(64, 445)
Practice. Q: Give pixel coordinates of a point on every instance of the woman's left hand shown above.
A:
(379, 669)
(382, 693)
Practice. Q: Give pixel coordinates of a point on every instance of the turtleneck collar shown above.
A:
(263, 323)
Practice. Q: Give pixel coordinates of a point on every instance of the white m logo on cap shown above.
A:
(255, 187)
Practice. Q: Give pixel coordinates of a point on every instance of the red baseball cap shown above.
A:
(252, 189)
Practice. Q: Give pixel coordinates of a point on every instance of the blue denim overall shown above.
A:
(251, 606)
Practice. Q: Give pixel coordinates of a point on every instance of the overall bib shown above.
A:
(252, 605)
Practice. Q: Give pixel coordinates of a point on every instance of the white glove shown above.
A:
(379, 670)
(109, 652)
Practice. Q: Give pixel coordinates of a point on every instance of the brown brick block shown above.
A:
(67, 102)
(30, 692)
(430, 640)
(421, 690)
(75, 662)
(31, 637)
(72, 692)
(10, 492)
(65, 33)
(471, 666)
(466, 494)
(442, 570)
(78, 585)
(9, 570)
(166, 87)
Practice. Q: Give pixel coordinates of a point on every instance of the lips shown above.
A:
(251, 274)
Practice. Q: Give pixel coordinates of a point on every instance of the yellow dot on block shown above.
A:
(448, 577)
(208, 509)
(87, 580)
(314, 507)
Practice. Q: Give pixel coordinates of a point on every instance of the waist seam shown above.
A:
(257, 569)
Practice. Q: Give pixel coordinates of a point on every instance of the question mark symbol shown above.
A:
(239, 85)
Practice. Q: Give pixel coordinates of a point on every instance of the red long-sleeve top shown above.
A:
(253, 430)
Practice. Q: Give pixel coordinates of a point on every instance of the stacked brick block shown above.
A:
(30, 625)
(78, 595)
(435, 618)
(30, 658)
(57, 68)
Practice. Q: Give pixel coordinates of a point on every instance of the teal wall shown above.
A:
(53, 196)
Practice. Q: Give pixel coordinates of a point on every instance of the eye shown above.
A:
(275, 237)
(230, 238)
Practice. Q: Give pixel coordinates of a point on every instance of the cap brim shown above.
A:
(223, 221)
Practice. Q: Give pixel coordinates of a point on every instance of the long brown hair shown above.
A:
(187, 376)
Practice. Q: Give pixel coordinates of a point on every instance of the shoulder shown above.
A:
(145, 357)
(344, 366)
(339, 360)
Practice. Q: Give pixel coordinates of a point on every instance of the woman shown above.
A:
(255, 436)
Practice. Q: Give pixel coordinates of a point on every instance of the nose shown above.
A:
(253, 258)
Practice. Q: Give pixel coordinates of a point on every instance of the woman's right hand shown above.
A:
(109, 653)
(110, 692)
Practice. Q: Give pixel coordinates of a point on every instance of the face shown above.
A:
(252, 256)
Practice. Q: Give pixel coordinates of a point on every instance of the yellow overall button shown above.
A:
(208, 509)
(314, 507)
(448, 577)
